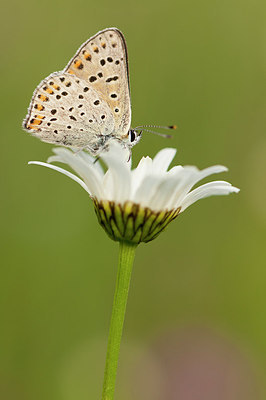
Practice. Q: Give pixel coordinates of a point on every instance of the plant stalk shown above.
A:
(126, 258)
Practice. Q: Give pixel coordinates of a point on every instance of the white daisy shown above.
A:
(135, 205)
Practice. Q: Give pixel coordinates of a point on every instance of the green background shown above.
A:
(197, 300)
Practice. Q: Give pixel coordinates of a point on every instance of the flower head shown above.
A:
(135, 205)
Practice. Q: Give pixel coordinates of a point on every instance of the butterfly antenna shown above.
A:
(144, 128)
(157, 126)
(156, 133)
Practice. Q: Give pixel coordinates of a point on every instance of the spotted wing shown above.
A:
(102, 61)
(67, 111)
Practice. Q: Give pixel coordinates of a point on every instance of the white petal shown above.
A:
(108, 186)
(91, 161)
(146, 190)
(150, 184)
(138, 174)
(209, 189)
(119, 169)
(87, 171)
(144, 166)
(176, 169)
(160, 199)
(63, 171)
(162, 160)
(117, 152)
(146, 173)
(215, 169)
(198, 176)
(184, 181)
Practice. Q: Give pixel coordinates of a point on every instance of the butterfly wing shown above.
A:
(102, 62)
(67, 111)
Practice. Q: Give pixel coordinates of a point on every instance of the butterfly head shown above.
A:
(133, 137)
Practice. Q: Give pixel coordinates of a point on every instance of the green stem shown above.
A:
(126, 258)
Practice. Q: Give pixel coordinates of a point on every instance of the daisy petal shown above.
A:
(87, 171)
(87, 158)
(162, 160)
(63, 171)
(146, 190)
(138, 174)
(198, 176)
(120, 172)
(149, 185)
(209, 189)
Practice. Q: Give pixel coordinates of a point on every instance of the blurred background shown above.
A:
(195, 325)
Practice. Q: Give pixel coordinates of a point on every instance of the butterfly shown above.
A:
(86, 105)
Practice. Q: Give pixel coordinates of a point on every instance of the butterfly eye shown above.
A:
(132, 136)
